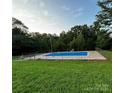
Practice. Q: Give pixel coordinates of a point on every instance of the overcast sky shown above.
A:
(54, 16)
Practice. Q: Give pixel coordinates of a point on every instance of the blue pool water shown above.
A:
(68, 54)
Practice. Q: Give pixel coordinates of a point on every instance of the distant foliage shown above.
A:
(79, 38)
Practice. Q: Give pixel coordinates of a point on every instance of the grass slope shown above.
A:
(63, 76)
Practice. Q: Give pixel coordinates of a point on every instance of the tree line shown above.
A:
(78, 38)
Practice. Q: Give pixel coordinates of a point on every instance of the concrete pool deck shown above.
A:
(92, 55)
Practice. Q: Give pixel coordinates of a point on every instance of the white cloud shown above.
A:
(37, 23)
(65, 8)
(74, 12)
(37, 20)
(45, 12)
(52, 24)
(26, 1)
(78, 12)
(42, 4)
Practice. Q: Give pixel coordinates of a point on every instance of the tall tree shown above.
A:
(19, 37)
(104, 17)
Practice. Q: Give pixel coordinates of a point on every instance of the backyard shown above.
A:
(45, 76)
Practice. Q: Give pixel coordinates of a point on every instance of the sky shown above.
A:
(54, 16)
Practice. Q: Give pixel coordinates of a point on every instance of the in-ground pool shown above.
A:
(68, 54)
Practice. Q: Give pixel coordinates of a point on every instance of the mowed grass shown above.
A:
(40, 76)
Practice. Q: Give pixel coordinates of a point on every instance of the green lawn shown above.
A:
(63, 76)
